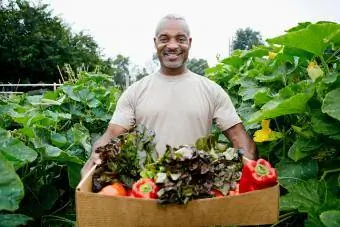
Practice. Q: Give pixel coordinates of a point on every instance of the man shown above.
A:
(178, 105)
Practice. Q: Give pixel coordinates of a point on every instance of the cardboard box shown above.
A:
(252, 208)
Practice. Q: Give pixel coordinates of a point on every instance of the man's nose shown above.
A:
(173, 44)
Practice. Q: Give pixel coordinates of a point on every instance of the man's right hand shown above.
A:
(111, 132)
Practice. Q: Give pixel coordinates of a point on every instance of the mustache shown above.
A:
(173, 51)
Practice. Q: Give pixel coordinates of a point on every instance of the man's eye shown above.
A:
(163, 39)
(182, 39)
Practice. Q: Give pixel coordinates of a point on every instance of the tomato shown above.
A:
(115, 189)
(216, 193)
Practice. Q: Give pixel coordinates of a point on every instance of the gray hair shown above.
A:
(172, 16)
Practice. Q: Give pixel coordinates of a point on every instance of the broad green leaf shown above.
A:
(301, 25)
(303, 132)
(39, 100)
(58, 139)
(330, 218)
(67, 89)
(302, 148)
(309, 197)
(259, 51)
(262, 96)
(291, 100)
(14, 220)
(11, 187)
(330, 78)
(234, 61)
(93, 103)
(17, 152)
(73, 172)
(324, 124)
(314, 38)
(78, 134)
(54, 153)
(293, 172)
(331, 104)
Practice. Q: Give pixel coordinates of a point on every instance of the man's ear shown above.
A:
(154, 40)
(190, 41)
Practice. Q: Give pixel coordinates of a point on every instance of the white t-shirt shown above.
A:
(179, 109)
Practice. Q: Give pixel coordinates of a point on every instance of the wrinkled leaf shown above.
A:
(11, 187)
(331, 104)
(302, 148)
(14, 220)
(314, 38)
(293, 172)
(292, 99)
(17, 152)
(330, 218)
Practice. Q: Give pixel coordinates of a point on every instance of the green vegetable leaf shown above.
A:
(309, 197)
(16, 151)
(302, 148)
(55, 153)
(14, 220)
(291, 99)
(11, 187)
(314, 38)
(330, 218)
(293, 172)
(331, 104)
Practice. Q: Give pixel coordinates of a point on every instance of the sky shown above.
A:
(127, 26)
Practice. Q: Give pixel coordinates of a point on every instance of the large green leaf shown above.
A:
(314, 38)
(309, 197)
(293, 172)
(11, 187)
(14, 220)
(302, 148)
(55, 153)
(323, 124)
(73, 171)
(330, 218)
(291, 100)
(16, 151)
(331, 104)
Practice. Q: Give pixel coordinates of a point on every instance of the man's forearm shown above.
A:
(238, 136)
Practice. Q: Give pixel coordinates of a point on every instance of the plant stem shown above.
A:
(335, 53)
(324, 64)
(327, 172)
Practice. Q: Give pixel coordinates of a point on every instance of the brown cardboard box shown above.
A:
(252, 208)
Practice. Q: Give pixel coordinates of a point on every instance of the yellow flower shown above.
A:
(266, 134)
(314, 71)
(271, 55)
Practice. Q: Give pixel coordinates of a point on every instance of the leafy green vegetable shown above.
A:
(125, 157)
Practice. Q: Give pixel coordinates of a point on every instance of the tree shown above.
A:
(246, 38)
(121, 73)
(197, 65)
(33, 43)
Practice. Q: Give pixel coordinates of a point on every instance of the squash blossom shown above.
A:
(314, 71)
(266, 134)
(271, 55)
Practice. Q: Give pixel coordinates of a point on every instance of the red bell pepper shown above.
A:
(145, 188)
(216, 193)
(257, 175)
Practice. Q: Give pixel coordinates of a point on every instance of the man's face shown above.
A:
(172, 45)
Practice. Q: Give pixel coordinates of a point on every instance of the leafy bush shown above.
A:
(44, 141)
(292, 86)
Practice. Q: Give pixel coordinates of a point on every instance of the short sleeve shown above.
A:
(225, 115)
(124, 114)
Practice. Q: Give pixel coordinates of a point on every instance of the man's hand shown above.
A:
(238, 136)
(111, 132)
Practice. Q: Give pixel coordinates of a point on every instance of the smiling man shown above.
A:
(177, 104)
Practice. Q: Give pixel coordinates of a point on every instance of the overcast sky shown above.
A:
(127, 26)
